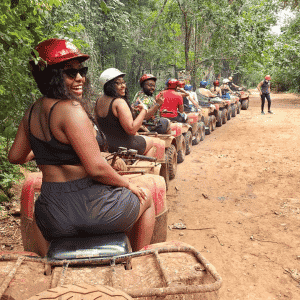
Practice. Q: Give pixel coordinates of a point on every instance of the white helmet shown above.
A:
(109, 74)
(225, 80)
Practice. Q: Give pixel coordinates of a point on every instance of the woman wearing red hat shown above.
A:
(81, 193)
(264, 91)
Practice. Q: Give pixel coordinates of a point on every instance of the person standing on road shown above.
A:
(264, 91)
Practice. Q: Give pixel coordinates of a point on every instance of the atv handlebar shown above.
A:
(130, 154)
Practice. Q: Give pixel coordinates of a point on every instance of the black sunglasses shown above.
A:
(73, 72)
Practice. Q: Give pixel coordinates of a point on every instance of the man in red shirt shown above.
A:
(173, 102)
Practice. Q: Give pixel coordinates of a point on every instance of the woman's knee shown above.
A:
(148, 202)
(149, 145)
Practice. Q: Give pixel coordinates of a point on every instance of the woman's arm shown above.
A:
(192, 98)
(259, 87)
(21, 152)
(123, 113)
(78, 129)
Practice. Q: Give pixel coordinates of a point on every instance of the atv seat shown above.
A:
(88, 248)
(204, 104)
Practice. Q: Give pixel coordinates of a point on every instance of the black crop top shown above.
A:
(52, 152)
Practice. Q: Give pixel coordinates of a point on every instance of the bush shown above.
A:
(9, 173)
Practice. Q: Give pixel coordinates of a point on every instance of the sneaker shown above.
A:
(262, 113)
(270, 112)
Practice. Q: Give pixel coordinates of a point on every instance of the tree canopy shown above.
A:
(207, 38)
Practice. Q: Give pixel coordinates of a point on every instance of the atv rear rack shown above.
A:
(168, 288)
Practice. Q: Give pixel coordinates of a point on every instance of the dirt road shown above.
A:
(238, 195)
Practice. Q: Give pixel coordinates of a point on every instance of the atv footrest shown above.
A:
(89, 247)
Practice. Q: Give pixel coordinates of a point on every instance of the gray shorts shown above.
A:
(84, 207)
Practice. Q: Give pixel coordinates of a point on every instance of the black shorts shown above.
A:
(136, 142)
(84, 207)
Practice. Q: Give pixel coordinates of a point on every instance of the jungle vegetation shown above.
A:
(206, 38)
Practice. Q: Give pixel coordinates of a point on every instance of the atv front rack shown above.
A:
(169, 287)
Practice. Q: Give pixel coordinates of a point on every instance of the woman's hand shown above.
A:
(120, 165)
(141, 106)
(138, 191)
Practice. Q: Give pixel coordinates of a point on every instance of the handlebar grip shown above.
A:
(147, 158)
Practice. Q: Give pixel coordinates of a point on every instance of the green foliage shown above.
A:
(286, 63)
(206, 37)
(9, 173)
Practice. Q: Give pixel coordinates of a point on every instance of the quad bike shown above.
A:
(166, 158)
(182, 132)
(233, 106)
(179, 135)
(243, 98)
(215, 114)
(104, 266)
(168, 144)
(195, 119)
(224, 108)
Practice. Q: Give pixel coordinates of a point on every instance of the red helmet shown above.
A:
(147, 77)
(172, 83)
(216, 83)
(181, 83)
(55, 51)
(268, 77)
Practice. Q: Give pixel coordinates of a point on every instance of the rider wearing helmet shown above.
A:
(153, 104)
(225, 89)
(145, 96)
(203, 93)
(180, 89)
(216, 90)
(173, 102)
(114, 115)
(232, 86)
(264, 91)
(191, 100)
(81, 194)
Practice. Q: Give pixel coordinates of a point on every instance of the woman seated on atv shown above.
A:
(216, 90)
(114, 115)
(225, 89)
(81, 194)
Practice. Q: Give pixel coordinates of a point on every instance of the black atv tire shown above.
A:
(197, 136)
(234, 110)
(229, 113)
(82, 291)
(202, 126)
(238, 110)
(245, 104)
(171, 161)
(224, 116)
(188, 141)
(214, 123)
(165, 173)
(219, 119)
(208, 127)
(181, 153)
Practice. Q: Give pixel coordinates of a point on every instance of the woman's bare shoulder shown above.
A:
(119, 102)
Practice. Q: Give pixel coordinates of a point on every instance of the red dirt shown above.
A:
(242, 181)
(237, 194)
